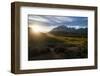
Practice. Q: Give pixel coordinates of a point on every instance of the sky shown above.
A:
(48, 22)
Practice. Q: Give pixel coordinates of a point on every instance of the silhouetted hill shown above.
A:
(67, 31)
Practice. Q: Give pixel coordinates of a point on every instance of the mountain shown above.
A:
(60, 28)
(67, 31)
(63, 29)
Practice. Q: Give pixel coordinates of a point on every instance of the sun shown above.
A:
(40, 28)
(36, 28)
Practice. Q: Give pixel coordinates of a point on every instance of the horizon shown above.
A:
(45, 23)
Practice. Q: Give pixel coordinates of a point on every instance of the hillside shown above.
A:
(50, 46)
(66, 31)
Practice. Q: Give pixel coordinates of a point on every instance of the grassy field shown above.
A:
(48, 46)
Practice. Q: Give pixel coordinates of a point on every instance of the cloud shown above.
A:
(58, 20)
(62, 19)
(37, 18)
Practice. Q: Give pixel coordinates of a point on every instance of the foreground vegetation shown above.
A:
(46, 46)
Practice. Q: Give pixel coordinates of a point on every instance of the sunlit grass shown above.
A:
(77, 41)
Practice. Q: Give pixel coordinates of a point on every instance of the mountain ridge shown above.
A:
(64, 30)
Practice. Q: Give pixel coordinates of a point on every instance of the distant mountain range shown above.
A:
(68, 31)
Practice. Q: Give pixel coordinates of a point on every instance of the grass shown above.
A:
(77, 41)
(63, 47)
